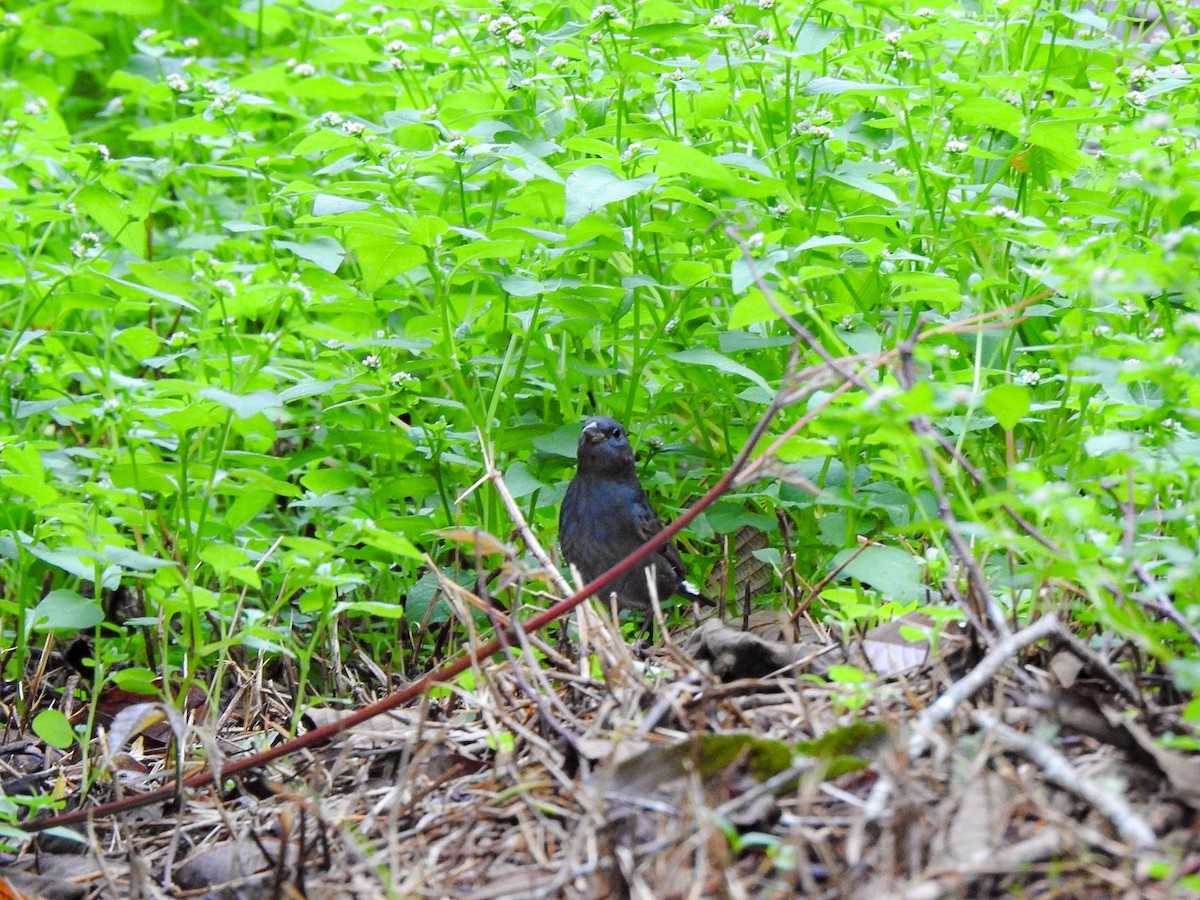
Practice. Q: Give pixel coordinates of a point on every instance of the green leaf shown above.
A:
(56, 40)
(53, 727)
(889, 570)
(594, 187)
(113, 215)
(382, 255)
(1009, 403)
(812, 38)
(64, 610)
(831, 86)
(244, 406)
(561, 442)
(673, 158)
(858, 175)
(703, 356)
(989, 112)
(322, 251)
(427, 231)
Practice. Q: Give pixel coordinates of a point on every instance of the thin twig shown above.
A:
(1059, 770)
(1000, 654)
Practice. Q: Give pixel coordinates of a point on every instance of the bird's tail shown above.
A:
(689, 591)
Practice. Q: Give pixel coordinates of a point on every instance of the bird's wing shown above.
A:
(648, 525)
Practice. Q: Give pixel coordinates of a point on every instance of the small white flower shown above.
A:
(924, 12)
(1004, 212)
(763, 36)
(147, 33)
(225, 286)
(330, 118)
(902, 172)
(112, 404)
(304, 70)
(503, 23)
(1029, 377)
(371, 362)
(399, 378)
(671, 325)
(893, 37)
(720, 20)
(352, 127)
(396, 46)
(559, 63)
(458, 145)
(102, 149)
(631, 150)
(377, 10)
(766, 4)
(87, 242)
(177, 83)
(431, 109)
(515, 37)
(595, 37)
(396, 64)
(755, 241)
(191, 43)
(604, 12)
(904, 55)
(484, 18)
(1157, 334)
(956, 145)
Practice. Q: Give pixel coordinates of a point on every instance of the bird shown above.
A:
(605, 516)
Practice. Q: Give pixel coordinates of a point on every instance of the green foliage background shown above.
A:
(272, 274)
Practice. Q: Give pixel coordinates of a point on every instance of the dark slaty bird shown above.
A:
(605, 516)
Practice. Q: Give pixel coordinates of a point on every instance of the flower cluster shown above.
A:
(87, 242)
(815, 126)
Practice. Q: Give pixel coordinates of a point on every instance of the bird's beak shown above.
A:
(593, 433)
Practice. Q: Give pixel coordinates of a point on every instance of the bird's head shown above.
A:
(604, 448)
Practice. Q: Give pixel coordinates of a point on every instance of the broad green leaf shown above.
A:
(889, 570)
(322, 251)
(427, 231)
(57, 40)
(988, 112)
(704, 356)
(673, 158)
(382, 255)
(128, 558)
(53, 727)
(594, 187)
(244, 405)
(64, 610)
(1009, 403)
(812, 38)
(331, 205)
(113, 214)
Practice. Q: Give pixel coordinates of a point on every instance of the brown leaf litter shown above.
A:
(725, 766)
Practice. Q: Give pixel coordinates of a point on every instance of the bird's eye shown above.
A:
(616, 432)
